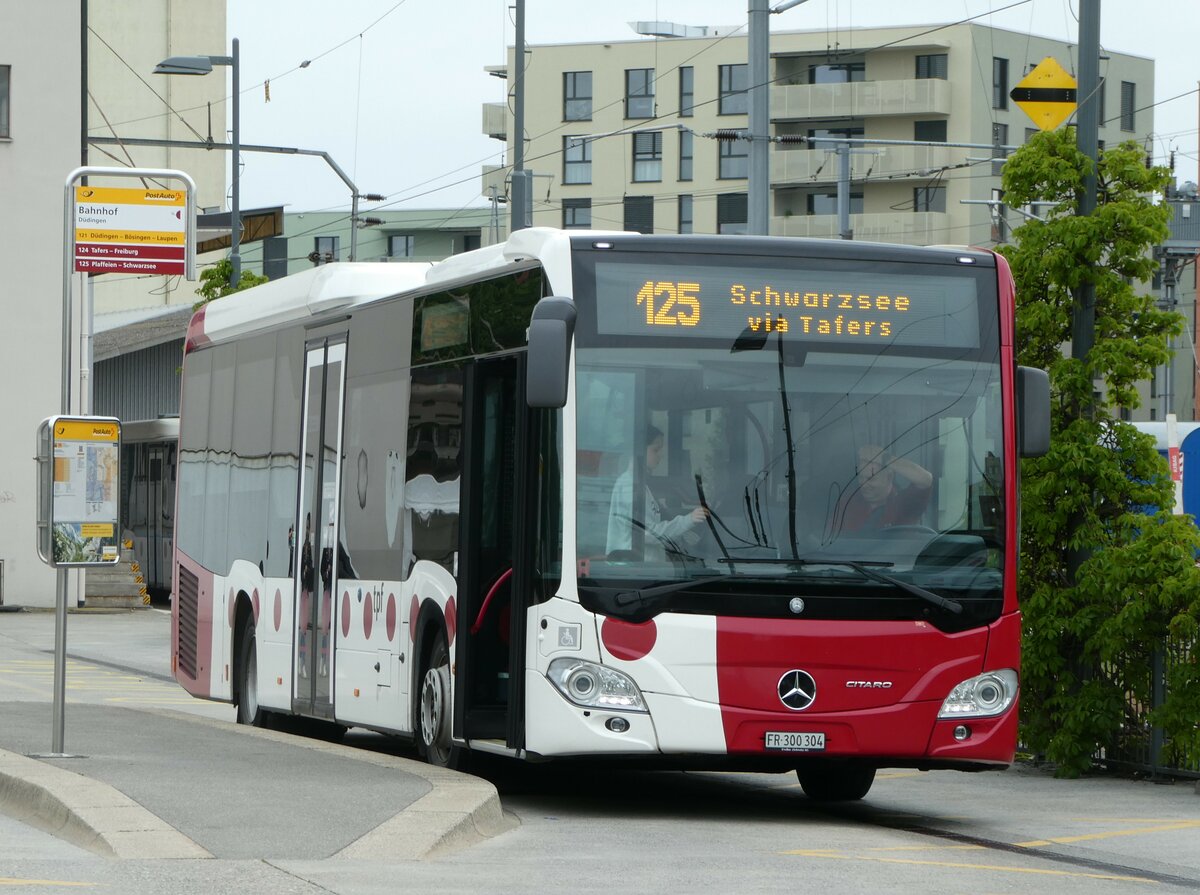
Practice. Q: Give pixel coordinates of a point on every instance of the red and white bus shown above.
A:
(617, 495)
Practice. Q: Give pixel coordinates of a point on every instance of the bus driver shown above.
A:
(659, 532)
(878, 499)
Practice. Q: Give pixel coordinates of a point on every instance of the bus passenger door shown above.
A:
(495, 545)
(317, 525)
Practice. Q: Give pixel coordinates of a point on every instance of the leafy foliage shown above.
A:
(214, 282)
(1106, 577)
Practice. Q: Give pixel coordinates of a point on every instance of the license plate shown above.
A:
(787, 741)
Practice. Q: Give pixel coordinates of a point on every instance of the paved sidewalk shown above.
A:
(147, 780)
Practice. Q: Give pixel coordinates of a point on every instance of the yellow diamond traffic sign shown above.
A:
(1046, 94)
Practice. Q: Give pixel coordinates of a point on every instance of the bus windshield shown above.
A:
(857, 449)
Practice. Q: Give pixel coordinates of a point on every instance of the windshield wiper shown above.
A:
(868, 569)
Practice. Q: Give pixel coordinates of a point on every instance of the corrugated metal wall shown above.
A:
(141, 385)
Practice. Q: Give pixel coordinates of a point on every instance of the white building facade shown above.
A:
(41, 141)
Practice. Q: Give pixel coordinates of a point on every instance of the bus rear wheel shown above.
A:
(248, 709)
(433, 720)
(835, 782)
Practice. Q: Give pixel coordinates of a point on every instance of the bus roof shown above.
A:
(341, 286)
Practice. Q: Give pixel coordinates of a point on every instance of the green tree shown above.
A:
(1105, 578)
(214, 282)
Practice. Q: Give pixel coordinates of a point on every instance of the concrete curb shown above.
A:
(87, 813)
(458, 811)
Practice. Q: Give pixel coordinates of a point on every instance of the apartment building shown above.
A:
(622, 134)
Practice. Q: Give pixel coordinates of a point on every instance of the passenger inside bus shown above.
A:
(659, 534)
(887, 491)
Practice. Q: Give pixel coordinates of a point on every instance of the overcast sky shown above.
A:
(394, 89)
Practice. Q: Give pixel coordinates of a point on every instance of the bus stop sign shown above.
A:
(1046, 94)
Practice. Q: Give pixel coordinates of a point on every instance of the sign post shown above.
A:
(109, 220)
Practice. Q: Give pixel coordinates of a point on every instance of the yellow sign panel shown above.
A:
(85, 430)
(132, 237)
(1047, 94)
(95, 530)
(126, 196)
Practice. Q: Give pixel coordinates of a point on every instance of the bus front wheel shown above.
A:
(830, 782)
(433, 721)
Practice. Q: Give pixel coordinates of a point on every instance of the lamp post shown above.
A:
(759, 185)
(202, 65)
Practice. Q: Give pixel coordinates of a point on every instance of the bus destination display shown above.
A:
(709, 301)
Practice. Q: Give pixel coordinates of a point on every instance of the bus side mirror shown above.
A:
(550, 331)
(1033, 412)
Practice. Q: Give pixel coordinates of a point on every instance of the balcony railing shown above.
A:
(798, 167)
(905, 228)
(495, 120)
(861, 99)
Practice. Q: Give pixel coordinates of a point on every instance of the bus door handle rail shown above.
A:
(487, 601)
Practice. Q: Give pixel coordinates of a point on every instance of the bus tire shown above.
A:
(434, 707)
(830, 782)
(248, 709)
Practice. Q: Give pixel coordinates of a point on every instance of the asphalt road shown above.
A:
(585, 828)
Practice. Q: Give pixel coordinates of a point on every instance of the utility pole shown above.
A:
(1087, 135)
(522, 182)
(758, 171)
(758, 99)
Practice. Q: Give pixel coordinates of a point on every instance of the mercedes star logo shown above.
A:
(797, 690)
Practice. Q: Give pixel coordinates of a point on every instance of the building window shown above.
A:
(734, 159)
(930, 131)
(577, 160)
(733, 89)
(1128, 105)
(685, 155)
(647, 157)
(687, 91)
(471, 241)
(1103, 103)
(1030, 133)
(639, 93)
(577, 96)
(5, 81)
(731, 213)
(325, 249)
(577, 214)
(685, 214)
(402, 246)
(929, 198)
(639, 214)
(826, 203)
(841, 73)
(932, 66)
(999, 83)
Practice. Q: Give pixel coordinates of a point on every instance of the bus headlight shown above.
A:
(983, 696)
(595, 686)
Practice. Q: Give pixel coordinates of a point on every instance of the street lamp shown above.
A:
(759, 185)
(202, 65)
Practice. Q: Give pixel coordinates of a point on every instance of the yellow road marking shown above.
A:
(10, 881)
(1111, 834)
(897, 775)
(960, 865)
